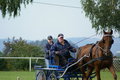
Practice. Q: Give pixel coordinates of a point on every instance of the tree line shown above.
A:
(19, 48)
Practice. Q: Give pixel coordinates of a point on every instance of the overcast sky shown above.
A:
(37, 21)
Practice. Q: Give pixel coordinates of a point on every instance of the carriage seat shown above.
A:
(53, 65)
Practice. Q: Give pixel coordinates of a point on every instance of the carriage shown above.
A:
(56, 72)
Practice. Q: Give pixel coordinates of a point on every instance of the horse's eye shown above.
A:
(103, 41)
(112, 41)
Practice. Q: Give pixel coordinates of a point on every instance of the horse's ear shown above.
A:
(104, 32)
(111, 32)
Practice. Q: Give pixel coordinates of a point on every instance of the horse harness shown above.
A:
(99, 58)
(90, 55)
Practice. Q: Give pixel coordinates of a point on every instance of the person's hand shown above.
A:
(57, 52)
(74, 49)
(48, 51)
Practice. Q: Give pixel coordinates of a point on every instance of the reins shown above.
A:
(85, 39)
(73, 65)
(95, 59)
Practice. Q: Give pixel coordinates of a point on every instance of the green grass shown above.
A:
(25, 75)
(108, 76)
(12, 75)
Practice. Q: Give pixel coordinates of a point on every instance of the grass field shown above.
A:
(108, 76)
(12, 75)
(24, 75)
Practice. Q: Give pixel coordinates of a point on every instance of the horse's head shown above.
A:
(107, 41)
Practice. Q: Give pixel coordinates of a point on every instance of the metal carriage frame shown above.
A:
(55, 72)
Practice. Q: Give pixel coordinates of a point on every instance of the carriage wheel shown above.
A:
(41, 75)
(66, 78)
(52, 76)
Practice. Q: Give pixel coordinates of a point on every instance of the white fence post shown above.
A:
(30, 64)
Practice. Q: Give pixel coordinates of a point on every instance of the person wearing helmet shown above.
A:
(47, 50)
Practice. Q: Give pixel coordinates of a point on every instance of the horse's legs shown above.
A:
(90, 69)
(83, 73)
(112, 70)
(97, 69)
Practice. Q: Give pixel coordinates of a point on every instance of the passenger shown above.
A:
(48, 57)
(61, 49)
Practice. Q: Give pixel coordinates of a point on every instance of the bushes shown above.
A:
(3, 65)
(19, 48)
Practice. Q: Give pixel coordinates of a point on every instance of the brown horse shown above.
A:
(98, 55)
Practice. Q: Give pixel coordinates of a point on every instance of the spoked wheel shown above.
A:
(52, 76)
(67, 79)
(41, 75)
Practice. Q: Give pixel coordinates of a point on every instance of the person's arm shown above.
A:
(71, 48)
(54, 50)
(46, 49)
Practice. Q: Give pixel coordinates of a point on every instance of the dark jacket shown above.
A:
(63, 49)
(47, 50)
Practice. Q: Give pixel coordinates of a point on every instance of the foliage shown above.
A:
(1, 53)
(3, 64)
(41, 43)
(20, 48)
(104, 14)
(12, 7)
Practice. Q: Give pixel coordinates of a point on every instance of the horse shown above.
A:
(98, 56)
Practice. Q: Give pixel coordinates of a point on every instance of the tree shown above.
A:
(1, 54)
(20, 48)
(104, 14)
(12, 7)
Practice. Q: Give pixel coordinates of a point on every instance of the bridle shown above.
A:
(97, 44)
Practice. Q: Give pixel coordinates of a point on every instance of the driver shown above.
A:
(61, 49)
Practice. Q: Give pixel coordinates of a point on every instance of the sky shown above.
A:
(38, 20)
